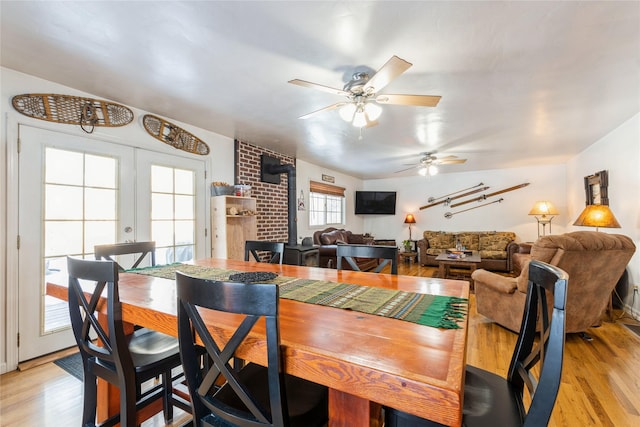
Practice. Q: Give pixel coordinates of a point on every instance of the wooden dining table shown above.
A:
(365, 360)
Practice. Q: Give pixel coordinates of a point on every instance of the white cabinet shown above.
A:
(233, 221)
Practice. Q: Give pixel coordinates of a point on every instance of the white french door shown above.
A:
(171, 205)
(76, 192)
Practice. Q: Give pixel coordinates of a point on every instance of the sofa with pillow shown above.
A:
(329, 238)
(495, 247)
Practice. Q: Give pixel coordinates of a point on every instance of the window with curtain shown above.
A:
(326, 204)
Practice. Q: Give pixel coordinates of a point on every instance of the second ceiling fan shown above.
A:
(362, 93)
(428, 164)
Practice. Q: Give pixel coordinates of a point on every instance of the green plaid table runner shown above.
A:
(424, 309)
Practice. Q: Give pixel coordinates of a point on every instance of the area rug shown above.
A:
(429, 310)
(72, 364)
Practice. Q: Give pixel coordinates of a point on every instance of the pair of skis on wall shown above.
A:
(448, 198)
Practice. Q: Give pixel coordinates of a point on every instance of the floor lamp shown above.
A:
(544, 212)
(597, 216)
(410, 219)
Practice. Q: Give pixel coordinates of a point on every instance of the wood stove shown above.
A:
(302, 255)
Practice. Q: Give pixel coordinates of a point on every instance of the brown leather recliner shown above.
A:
(594, 261)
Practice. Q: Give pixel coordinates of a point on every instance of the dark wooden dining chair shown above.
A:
(388, 255)
(276, 250)
(489, 399)
(124, 360)
(253, 395)
(141, 248)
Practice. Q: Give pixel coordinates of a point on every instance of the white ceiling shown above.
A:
(522, 83)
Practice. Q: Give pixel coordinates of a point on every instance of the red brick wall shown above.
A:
(271, 199)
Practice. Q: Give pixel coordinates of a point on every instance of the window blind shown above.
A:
(321, 187)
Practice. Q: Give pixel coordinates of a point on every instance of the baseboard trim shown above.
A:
(632, 312)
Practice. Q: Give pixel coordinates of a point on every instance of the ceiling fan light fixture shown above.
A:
(373, 111)
(428, 170)
(347, 112)
(359, 119)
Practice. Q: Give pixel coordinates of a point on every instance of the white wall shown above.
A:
(618, 153)
(306, 172)
(545, 183)
(219, 164)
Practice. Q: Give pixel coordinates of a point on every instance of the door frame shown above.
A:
(11, 302)
(13, 121)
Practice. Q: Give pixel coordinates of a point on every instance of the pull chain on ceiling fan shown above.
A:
(361, 108)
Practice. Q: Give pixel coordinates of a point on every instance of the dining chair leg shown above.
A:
(128, 412)
(167, 392)
(90, 399)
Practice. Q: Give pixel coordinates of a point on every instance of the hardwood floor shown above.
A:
(600, 385)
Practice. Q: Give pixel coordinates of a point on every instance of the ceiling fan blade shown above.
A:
(451, 162)
(417, 100)
(389, 71)
(406, 169)
(323, 88)
(329, 108)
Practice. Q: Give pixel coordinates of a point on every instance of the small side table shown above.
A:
(409, 256)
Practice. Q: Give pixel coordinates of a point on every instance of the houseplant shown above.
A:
(407, 244)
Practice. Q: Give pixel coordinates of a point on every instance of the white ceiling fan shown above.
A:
(362, 93)
(428, 164)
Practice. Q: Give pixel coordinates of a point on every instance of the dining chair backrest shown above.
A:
(492, 400)
(255, 302)
(108, 355)
(112, 250)
(387, 255)
(84, 312)
(276, 250)
(541, 341)
(111, 357)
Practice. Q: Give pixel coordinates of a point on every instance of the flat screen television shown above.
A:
(375, 203)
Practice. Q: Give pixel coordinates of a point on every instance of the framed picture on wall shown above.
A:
(595, 187)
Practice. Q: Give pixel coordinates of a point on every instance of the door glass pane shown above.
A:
(172, 213)
(100, 171)
(63, 167)
(162, 232)
(184, 182)
(79, 189)
(184, 207)
(161, 206)
(63, 202)
(97, 233)
(100, 204)
(161, 179)
(62, 238)
(184, 232)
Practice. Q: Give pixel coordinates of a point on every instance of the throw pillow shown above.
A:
(356, 239)
(493, 254)
(331, 237)
(494, 242)
(441, 241)
(325, 239)
(468, 240)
